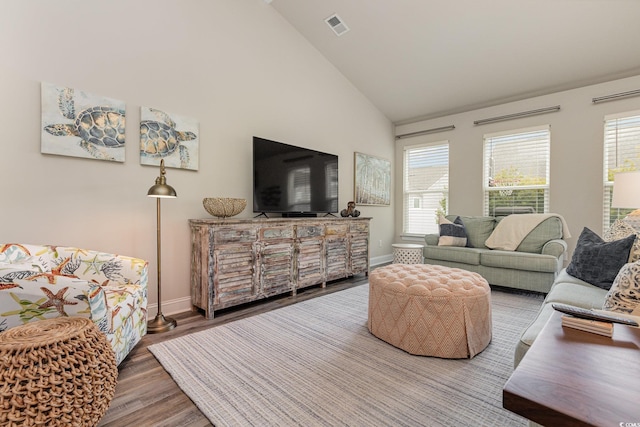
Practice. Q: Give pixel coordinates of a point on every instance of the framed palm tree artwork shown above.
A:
(372, 180)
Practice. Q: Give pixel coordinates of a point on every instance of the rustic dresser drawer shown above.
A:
(309, 231)
(235, 235)
(276, 233)
(333, 229)
(359, 227)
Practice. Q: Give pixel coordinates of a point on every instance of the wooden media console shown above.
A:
(234, 261)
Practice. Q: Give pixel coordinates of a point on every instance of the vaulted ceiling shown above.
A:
(419, 59)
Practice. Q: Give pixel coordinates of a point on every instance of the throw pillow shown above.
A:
(452, 233)
(620, 229)
(478, 229)
(624, 295)
(598, 262)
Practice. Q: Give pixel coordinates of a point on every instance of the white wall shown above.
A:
(235, 65)
(577, 150)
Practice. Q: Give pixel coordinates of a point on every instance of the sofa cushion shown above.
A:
(550, 228)
(624, 295)
(453, 254)
(519, 261)
(566, 290)
(478, 228)
(578, 294)
(570, 290)
(452, 233)
(598, 262)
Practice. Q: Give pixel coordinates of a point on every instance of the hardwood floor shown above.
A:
(147, 396)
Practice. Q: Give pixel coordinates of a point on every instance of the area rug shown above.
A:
(315, 363)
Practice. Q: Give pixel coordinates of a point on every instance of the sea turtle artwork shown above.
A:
(169, 137)
(97, 125)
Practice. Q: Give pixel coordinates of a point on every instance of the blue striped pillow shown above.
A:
(452, 233)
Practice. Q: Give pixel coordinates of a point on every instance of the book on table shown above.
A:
(593, 326)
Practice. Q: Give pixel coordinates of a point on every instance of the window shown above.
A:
(426, 186)
(516, 171)
(331, 174)
(299, 189)
(621, 154)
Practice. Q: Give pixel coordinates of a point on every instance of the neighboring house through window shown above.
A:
(516, 171)
(425, 187)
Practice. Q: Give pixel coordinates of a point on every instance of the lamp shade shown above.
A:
(626, 190)
(161, 189)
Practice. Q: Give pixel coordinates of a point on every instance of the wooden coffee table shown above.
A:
(575, 378)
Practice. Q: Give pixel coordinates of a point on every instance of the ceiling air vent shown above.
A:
(337, 25)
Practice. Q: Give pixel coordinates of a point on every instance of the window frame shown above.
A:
(410, 195)
(488, 164)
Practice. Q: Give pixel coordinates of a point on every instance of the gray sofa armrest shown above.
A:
(555, 247)
(431, 239)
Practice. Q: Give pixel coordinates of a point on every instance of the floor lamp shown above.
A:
(160, 190)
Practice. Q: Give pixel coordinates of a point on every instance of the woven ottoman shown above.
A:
(55, 372)
(430, 310)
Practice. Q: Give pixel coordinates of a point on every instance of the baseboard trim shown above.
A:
(379, 260)
(180, 305)
(174, 306)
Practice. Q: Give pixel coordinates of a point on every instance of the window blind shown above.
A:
(299, 189)
(621, 154)
(425, 186)
(331, 173)
(516, 171)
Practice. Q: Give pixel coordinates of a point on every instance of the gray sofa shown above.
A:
(566, 290)
(533, 266)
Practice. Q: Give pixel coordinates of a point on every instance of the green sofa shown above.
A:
(566, 290)
(570, 290)
(533, 266)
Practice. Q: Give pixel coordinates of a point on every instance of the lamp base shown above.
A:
(160, 324)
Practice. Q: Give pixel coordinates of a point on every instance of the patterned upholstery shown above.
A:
(41, 282)
(430, 310)
(622, 228)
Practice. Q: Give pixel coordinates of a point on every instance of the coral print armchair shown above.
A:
(42, 281)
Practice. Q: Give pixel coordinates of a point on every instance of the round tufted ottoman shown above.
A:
(55, 372)
(430, 310)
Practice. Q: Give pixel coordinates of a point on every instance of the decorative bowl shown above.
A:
(224, 207)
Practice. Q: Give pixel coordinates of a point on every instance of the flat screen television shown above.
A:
(293, 181)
